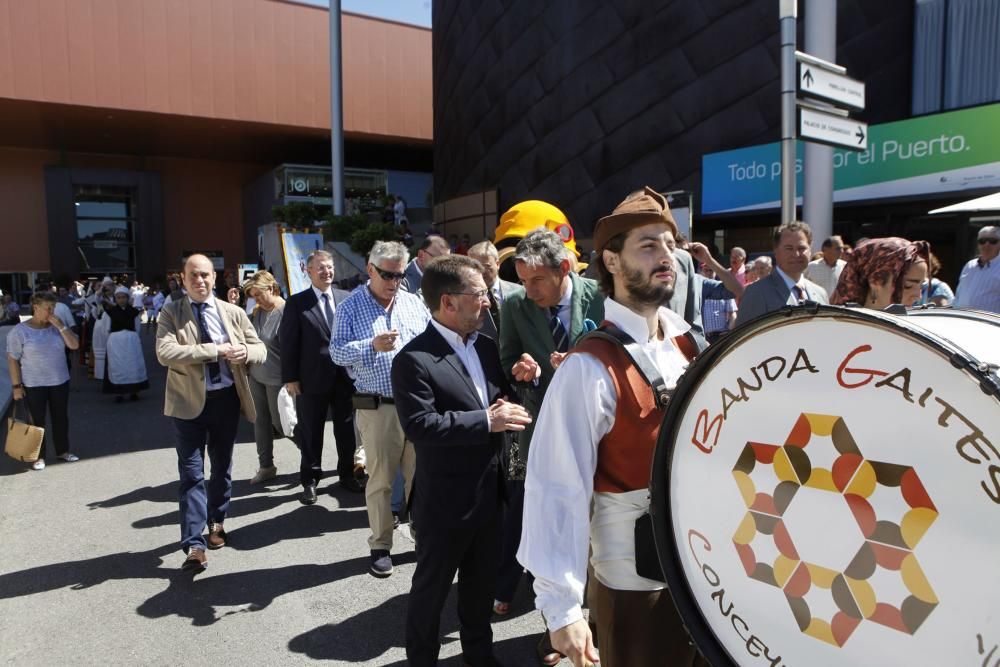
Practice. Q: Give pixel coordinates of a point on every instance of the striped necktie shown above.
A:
(559, 335)
(214, 370)
(800, 293)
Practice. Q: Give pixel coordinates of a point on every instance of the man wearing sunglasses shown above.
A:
(373, 324)
(433, 246)
(979, 284)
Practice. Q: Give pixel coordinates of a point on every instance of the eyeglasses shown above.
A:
(990, 241)
(388, 275)
(480, 294)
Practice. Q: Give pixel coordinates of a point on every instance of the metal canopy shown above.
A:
(987, 203)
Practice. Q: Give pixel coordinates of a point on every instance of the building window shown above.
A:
(956, 54)
(106, 220)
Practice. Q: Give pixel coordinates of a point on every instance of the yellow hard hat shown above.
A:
(527, 216)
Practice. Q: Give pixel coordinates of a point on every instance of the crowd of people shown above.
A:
(478, 410)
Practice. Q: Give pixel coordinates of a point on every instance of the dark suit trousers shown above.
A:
(215, 427)
(312, 411)
(443, 547)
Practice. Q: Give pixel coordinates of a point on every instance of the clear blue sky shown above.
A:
(417, 12)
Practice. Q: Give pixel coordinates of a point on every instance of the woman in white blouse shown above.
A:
(36, 359)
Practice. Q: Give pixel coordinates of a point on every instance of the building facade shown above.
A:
(579, 103)
(130, 132)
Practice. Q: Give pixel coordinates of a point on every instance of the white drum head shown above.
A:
(826, 491)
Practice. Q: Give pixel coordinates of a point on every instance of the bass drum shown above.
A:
(826, 490)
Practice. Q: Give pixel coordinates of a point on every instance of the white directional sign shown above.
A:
(825, 85)
(831, 129)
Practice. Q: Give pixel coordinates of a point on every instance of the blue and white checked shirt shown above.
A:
(979, 286)
(359, 319)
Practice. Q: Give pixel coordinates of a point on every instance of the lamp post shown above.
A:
(336, 111)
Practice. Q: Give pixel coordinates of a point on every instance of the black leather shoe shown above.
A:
(353, 485)
(308, 496)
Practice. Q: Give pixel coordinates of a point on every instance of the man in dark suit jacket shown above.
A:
(786, 286)
(432, 246)
(318, 384)
(451, 395)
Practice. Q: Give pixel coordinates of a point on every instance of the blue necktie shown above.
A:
(559, 335)
(328, 311)
(214, 370)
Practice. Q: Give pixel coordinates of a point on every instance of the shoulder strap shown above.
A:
(647, 369)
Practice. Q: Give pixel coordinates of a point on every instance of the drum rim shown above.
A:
(659, 487)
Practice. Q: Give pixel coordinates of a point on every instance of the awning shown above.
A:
(987, 203)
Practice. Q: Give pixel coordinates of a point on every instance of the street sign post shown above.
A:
(828, 86)
(832, 129)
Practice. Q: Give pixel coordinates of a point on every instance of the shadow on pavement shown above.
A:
(199, 598)
(368, 635)
(82, 574)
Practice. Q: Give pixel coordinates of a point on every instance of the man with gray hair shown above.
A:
(539, 323)
(373, 324)
(979, 284)
(316, 383)
(762, 267)
(486, 254)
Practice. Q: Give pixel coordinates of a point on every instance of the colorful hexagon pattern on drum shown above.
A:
(830, 603)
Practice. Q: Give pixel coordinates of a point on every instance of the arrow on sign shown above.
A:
(860, 134)
(807, 77)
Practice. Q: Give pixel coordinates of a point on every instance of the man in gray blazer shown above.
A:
(786, 286)
(486, 254)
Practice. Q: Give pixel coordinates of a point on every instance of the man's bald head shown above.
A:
(198, 277)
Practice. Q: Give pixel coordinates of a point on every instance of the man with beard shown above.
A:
(599, 425)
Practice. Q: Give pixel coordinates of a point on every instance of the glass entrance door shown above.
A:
(106, 218)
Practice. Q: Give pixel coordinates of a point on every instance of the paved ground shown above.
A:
(89, 565)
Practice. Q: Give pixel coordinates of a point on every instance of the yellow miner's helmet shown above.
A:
(528, 216)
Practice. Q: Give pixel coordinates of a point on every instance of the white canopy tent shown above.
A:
(987, 203)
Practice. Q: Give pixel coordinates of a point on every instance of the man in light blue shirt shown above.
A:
(979, 284)
(372, 325)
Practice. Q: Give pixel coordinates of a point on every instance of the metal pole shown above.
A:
(787, 10)
(817, 195)
(336, 111)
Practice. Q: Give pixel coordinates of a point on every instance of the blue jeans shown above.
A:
(201, 502)
(398, 492)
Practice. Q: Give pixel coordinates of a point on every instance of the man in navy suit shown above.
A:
(787, 285)
(453, 401)
(318, 384)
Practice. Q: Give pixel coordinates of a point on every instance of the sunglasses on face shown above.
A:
(990, 241)
(388, 275)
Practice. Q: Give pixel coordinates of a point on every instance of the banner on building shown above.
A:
(947, 152)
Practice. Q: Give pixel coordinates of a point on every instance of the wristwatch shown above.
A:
(18, 386)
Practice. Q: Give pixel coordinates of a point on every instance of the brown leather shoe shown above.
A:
(196, 561)
(217, 537)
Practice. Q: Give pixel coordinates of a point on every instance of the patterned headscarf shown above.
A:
(877, 260)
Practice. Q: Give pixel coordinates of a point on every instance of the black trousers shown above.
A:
(312, 411)
(443, 548)
(55, 400)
